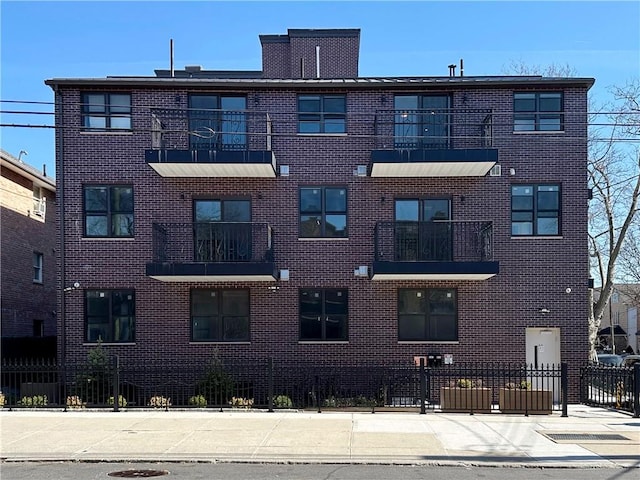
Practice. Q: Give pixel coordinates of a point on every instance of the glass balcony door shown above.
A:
(217, 122)
(422, 121)
(423, 231)
(222, 231)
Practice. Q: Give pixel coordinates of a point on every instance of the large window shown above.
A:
(322, 113)
(106, 111)
(537, 111)
(323, 315)
(220, 315)
(323, 212)
(108, 211)
(427, 315)
(422, 121)
(37, 267)
(110, 316)
(217, 122)
(535, 210)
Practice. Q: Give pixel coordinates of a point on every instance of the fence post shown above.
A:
(270, 386)
(564, 386)
(636, 390)
(317, 387)
(116, 385)
(423, 387)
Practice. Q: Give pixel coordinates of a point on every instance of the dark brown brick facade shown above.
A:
(492, 314)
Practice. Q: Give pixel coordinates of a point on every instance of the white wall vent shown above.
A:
(496, 171)
(361, 271)
(284, 170)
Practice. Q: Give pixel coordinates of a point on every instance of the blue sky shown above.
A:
(41, 40)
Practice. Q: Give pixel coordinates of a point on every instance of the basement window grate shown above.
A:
(138, 473)
(585, 436)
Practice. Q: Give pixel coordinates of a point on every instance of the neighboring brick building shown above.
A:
(304, 213)
(623, 308)
(28, 252)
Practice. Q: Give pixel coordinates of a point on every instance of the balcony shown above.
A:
(211, 143)
(212, 252)
(438, 250)
(433, 143)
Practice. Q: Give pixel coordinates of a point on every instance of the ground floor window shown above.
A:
(323, 314)
(220, 315)
(110, 316)
(427, 314)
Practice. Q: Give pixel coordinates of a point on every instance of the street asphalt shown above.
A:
(588, 437)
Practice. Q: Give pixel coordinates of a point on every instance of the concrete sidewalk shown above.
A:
(589, 437)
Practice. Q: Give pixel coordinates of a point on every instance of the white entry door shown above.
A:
(543, 352)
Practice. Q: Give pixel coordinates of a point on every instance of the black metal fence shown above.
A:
(610, 386)
(434, 241)
(433, 128)
(264, 384)
(212, 242)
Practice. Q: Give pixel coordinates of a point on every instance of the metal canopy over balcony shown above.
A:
(433, 143)
(211, 143)
(437, 250)
(212, 252)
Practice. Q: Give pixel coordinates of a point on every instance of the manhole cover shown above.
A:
(138, 473)
(585, 436)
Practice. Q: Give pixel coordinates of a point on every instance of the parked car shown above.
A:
(609, 359)
(630, 360)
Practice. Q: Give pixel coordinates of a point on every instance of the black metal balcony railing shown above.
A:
(189, 129)
(437, 241)
(212, 242)
(433, 129)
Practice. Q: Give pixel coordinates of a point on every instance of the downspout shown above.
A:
(60, 196)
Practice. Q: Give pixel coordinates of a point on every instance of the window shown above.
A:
(222, 230)
(427, 315)
(106, 111)
(217, 122)
(39, 202)
(322, 114)
(37, 267)
(537, 111)
(108, 211)
(110, 316)
(323, 212)
(323, 314)
(422, 121)
(220, 315)
(535, 210)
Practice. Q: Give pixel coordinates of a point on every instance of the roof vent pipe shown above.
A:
(461, 67)
(452, 70)
(317, 61)
(171, 56)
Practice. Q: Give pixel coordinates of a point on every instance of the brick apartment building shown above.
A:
(305, 213)
(28, 244)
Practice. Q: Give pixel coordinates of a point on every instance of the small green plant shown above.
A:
(158, 401)
(282, 401)
(341, 402)
(74, 401)
(241, 402)
(198, 401)
(215, 384)
(34, 401)
(467, 383)
(2, 399)
(122, 402)
(523, 385)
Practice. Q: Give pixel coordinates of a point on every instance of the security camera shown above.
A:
(76, 284)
